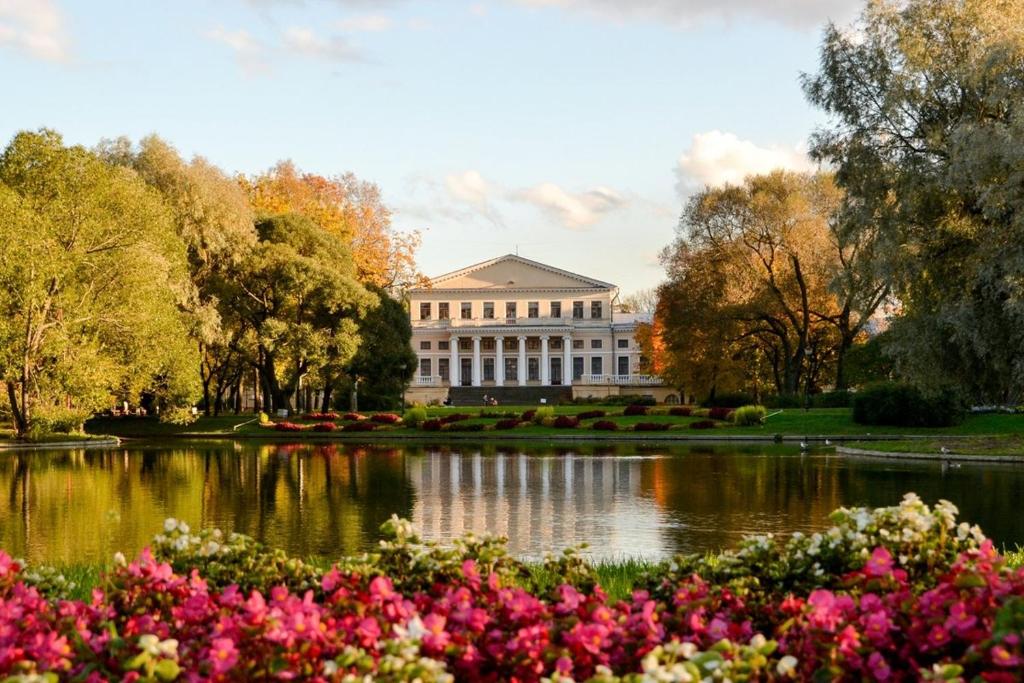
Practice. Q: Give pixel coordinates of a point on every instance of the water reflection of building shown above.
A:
(541, 503)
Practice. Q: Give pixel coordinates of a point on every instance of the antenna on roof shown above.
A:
(517, 250)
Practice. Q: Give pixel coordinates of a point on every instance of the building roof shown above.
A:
(495, 274)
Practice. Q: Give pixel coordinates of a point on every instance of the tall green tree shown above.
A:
(212, 215)
(297, 303)
(93, 277)
(927, 138)
(385, 362)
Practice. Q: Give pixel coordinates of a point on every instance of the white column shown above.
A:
(522, 362)
(453, 364)
(567, 360)
(499, 361)
(545, 363)
(476, 361)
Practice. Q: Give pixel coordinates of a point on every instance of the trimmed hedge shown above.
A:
(651, 427)
(719, 413)
(902, 405)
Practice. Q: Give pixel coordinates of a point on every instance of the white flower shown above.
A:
(758, 641)
(149, 644)
(787, 665)
(416, 629)
(181, 542)
(330, 667)
(170, 524)
(119, 559)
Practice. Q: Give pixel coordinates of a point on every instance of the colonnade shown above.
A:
(455, 367)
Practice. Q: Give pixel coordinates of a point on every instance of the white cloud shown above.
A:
(470, 188)
(306, 42)
(575, 210)
(365, 23)
(715, 158)
(249, 51)
(35, 27)
(801, 14)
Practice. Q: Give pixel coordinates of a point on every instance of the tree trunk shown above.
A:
(18, 413)
(325, 402)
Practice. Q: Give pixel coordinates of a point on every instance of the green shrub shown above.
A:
(784, 401)
(543, 413)
(178, 416)
(54, 419)
(902, 405)
(415, 416)
(832, 399)
(748, 416)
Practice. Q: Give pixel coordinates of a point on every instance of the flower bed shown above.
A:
(287, 427)
(386, 418)
(605, 425)
(365, 426)
(509, 423)
(321, 417)
(353, 417)
(591, 414)
(324, 427)
(566, 422)
(634, 410)
(680, 411)
(703, 424)
(900, 593)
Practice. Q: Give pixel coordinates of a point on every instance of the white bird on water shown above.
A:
(803, 445)
(828, 442)
(944, 450)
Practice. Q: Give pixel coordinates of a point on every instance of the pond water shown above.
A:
(330, 499)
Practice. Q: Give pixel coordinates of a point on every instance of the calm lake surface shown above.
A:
(329, 500)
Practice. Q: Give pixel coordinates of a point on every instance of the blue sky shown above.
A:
(571, 128)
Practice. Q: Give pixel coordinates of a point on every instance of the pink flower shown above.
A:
(223, 654)
(880, 563)
(880, 668)
(1003, 657)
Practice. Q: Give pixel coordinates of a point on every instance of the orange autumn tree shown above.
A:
(347, 207)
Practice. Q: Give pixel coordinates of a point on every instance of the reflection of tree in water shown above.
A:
(330, 499)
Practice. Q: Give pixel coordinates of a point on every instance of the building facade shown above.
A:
(515, 323)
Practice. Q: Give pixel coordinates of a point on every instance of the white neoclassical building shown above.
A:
(516, 328)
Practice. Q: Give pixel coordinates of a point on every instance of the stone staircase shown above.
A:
(509, 396)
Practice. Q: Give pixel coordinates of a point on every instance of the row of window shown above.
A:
(532, 344)
(532, 310)
(512, 368)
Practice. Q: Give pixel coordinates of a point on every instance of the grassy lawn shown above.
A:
(7, 437)
(1009, 444)
(789, 422)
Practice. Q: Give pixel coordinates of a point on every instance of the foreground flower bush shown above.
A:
(900, 593)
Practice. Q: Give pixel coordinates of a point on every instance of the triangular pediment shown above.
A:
(515, 272)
